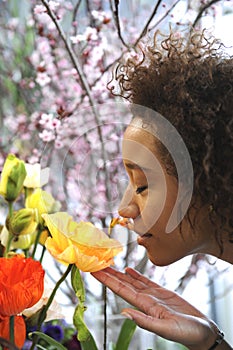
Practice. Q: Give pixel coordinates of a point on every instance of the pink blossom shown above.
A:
(44, 47)
(38, 9)
(58, 143)
(42, 78)
(101, 16)
(90, 34)
(47, 135)
(53, 5)
(53, 124)
(45, 119)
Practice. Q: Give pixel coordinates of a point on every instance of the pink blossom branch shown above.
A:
(85, 86)
(76, 8)
(117, 21)
(202, 10)
(164, 16)
(144, 31)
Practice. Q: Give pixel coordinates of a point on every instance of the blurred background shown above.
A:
(56, 60)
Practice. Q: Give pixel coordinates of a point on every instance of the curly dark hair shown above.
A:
(188, 79)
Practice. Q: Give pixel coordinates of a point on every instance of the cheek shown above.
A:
(156, 209)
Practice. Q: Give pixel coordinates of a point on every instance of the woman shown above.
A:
(188, 82)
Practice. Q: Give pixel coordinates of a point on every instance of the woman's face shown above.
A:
(150, 198)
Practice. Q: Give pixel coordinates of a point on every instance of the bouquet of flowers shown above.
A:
(33, 221)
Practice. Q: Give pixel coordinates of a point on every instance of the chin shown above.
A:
(161, 261)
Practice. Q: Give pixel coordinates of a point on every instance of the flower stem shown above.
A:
(12, 331)
(59, 282)
(36, 242)
(10, 235)
(105, 318)
(46, 307)
(42, 254)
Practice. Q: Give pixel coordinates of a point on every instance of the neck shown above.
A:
(213, 238)
(210, 235)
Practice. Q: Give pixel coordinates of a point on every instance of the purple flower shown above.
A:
(54, 331)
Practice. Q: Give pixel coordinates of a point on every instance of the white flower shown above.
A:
(36, 177)
(54, 312)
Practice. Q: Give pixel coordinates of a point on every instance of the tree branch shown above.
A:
(117, 21)
(84, 83)
(143, 32)
(203, 9)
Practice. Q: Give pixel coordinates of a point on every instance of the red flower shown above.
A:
(21, 284)
(19, 330)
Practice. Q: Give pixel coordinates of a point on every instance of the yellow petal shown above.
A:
(56, 227)
(91, 263)
(65, 256)
(80, 243)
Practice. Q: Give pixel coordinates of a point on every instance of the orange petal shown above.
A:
(19, 330)
(21, 284)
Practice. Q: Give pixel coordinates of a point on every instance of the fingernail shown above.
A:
(125, 314)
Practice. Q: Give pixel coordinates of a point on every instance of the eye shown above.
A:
(141, 189)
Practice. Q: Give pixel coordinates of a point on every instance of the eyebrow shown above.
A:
(134, 166)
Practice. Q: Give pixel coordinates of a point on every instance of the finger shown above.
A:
(139, 277)
(143, 301)
(113, 281)
(185, 329)
(102, 275)
(133, 278)
(126, 278)
(125, 290)
(152, 324)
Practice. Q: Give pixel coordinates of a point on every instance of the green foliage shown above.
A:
(84, 335)
(125, 336)
(89, 344)
(51, 343)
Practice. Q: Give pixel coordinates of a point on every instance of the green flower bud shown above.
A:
(23, 222)
(12, 178)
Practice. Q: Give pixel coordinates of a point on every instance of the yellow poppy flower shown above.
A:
(82, 244)
(42, 201)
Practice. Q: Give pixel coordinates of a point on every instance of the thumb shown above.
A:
(142, 320)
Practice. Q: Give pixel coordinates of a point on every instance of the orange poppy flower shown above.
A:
(19, 330)
(21, 284)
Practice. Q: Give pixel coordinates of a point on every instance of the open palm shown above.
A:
(159, 310)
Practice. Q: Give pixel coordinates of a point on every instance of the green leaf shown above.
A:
(84, 335)
(48, 339)
(89, 344)
(126, 334)
(78, 320)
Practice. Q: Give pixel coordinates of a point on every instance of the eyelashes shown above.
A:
(141, 189)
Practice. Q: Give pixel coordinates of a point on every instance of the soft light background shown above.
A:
(46, 116)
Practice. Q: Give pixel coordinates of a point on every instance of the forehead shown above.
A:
(139, 147)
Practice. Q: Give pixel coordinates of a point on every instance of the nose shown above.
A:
(128, 207)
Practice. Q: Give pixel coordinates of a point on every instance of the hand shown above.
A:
(159, 310)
